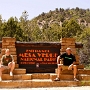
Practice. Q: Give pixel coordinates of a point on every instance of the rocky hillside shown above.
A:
(58, 16)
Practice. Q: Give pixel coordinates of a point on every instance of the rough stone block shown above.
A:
(11, 43)
(27, 77)
(67, 39)
(8, 39)
(12, 49)
(17, 77)
(41, 83)
(66, 77)
(84, 77)
(7, 47)
(40, 76)
(5, 71)
(16, 71)
(7, 77)
(11, 84)
(19, 71)
(64, 83)
(26, 84)
(12, 53)
(5, 44)
(53, 76)
(88, 71)
(80, 70)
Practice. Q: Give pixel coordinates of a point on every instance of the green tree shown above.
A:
(12, 29)
(85, 51)
(71, 28)
(53, 33)
(24, 23)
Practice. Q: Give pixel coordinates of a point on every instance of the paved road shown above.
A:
(52, 88)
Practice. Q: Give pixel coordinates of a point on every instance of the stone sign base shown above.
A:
(22, 79)
(34, 80)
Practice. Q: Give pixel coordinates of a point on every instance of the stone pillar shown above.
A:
(69, 42)
(9, 43)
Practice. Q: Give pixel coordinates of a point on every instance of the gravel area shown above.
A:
(52, 88)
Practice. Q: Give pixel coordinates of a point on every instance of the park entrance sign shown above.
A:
(38, 57)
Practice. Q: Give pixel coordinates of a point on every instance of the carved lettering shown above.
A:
(41, 56)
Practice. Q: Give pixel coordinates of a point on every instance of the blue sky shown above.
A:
(9, 8)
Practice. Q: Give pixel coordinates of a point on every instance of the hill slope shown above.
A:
(60, 15)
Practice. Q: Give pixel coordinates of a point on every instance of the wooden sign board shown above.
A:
(38, 57)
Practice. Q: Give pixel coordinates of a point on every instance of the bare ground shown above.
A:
(50, 88)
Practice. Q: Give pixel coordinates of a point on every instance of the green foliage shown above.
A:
(11, 29)
(85, 51)
(49, 26)
(71, 28)
(87, 66)
(53, 33)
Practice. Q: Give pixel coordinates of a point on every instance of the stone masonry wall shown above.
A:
(69, 42)
(9, 43)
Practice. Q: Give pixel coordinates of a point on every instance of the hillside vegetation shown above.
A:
(50, 27)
